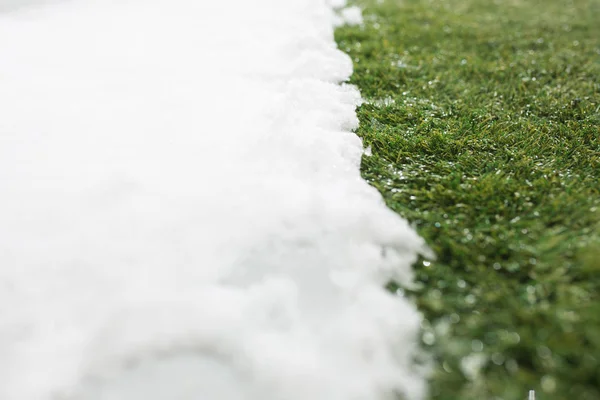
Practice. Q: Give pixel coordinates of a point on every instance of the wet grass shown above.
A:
(483, 119)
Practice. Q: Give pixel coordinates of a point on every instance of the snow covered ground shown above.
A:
(181, 210)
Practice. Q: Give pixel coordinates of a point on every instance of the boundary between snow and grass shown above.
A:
(481, 120)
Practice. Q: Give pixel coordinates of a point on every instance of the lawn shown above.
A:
(482, 120)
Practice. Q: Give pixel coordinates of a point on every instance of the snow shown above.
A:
(181, 209)
(351, 16)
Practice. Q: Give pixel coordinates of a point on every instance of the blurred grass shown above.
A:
(483, 118)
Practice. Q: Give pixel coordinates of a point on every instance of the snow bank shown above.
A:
(181, 210)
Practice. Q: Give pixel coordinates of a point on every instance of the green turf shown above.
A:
(483, 119)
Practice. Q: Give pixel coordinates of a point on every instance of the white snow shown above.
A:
(350, 16)
(343, 14)
(181, 210)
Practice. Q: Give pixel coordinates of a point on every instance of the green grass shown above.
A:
(483, 118)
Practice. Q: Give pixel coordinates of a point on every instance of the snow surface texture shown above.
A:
(181, 210)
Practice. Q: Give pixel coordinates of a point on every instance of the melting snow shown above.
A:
(181, 210)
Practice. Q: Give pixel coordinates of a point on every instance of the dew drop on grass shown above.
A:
(470, 299)
(477, 345)
(446, 367)
(548, 384)
(498, 358)
(428, 338)
(512, 366)
(544, 352)
(515, 337)
(472, 364)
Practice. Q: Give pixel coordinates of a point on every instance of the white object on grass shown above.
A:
(352, 16)
(181, 210)
(531, 395)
